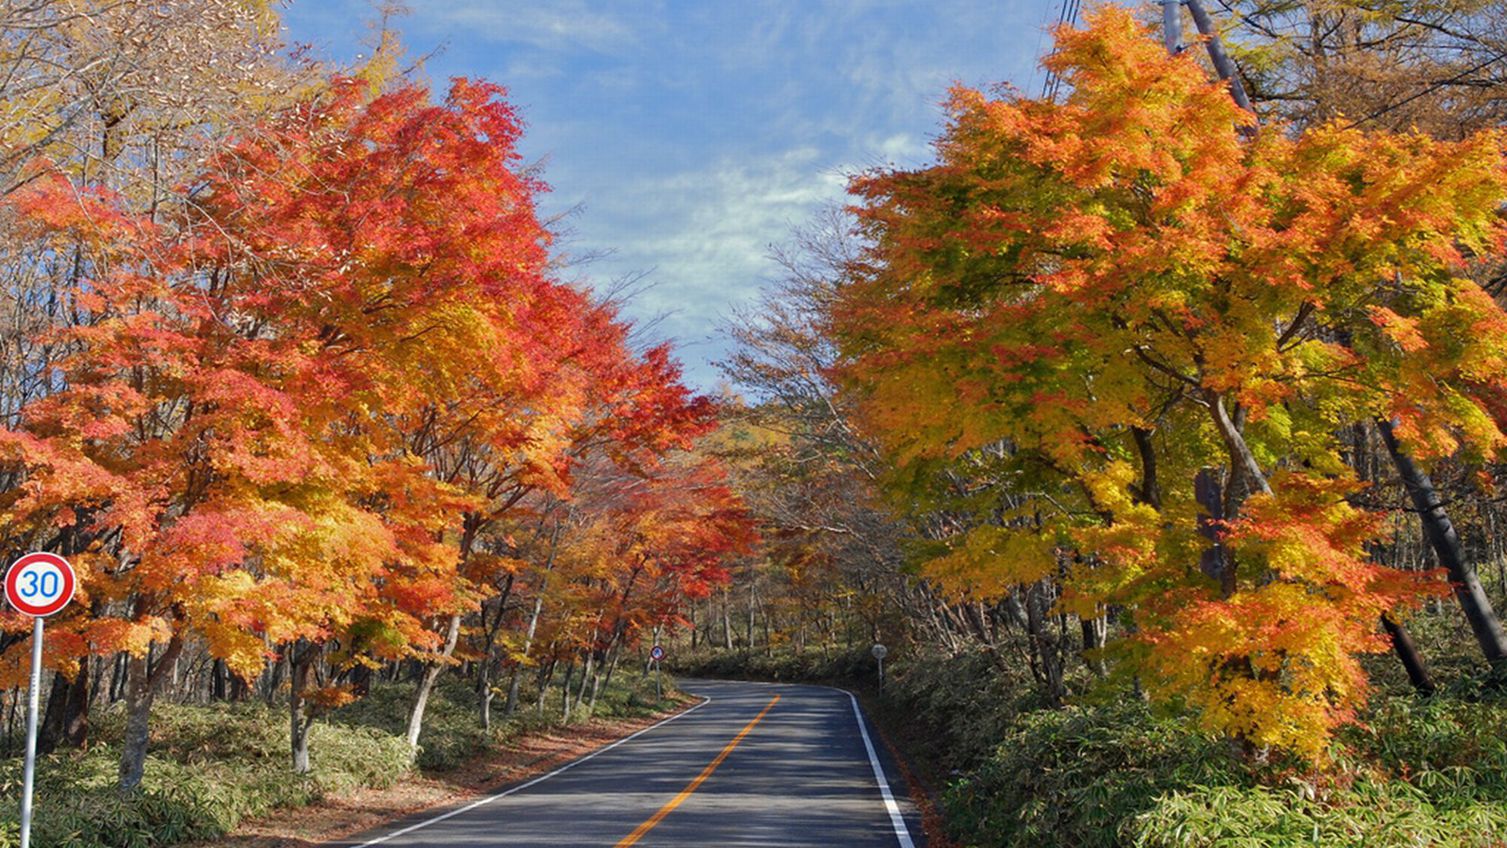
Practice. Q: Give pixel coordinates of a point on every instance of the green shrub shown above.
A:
(452, 730)
(1081, 776)
(1368, 814)
(210, 768)
(962, 705)
(848, 665)
(1417, 773)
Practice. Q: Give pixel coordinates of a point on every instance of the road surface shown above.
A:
(756, 764)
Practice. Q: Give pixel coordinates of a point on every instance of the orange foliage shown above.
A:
(1135, 259)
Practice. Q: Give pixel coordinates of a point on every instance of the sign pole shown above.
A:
(38, 584)
(32, 699)
(657, 656)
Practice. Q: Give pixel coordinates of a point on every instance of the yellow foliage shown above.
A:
(990, 561)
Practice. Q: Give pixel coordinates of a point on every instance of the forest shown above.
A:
(1155, 426)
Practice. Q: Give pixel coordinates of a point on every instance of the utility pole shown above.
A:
(1172, 38)
(1223, 65)
(1172, 26)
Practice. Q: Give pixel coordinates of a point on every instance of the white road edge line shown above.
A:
(901, 833)
(540, 779)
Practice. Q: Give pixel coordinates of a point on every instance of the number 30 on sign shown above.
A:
(39, 584)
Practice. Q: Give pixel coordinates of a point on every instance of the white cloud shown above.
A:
(704, 235)
(548, 26)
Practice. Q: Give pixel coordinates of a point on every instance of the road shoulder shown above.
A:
(899, 755)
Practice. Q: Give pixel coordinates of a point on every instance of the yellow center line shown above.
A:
(669, 807)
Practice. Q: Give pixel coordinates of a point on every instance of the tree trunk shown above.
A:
(1043, 645)
(484, 665)
(66, 721)
(361, 681)
(141, 690)
(586, 673)
(768, 642)
(614, 653)
(137, 713)
(1246, 477)
(727, 623)
(118, 672)
(1015, 611)
(426, 683)
(748, 631)
(10, 718)
(274, 681)
(240, 691)
(219, 680)
(513, 685)
(430, 672)
(1217, 55)
(1446, 544)
(533, 623)
(300, 663)
(542, 679)
(484, 683)
(610, 660)
(528, 644)
(1407, 651)
(50, 728)
(847, 619)
(1150, 489)
(1094, 630)
(97, 683)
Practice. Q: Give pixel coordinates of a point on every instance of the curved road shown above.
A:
(756, 764)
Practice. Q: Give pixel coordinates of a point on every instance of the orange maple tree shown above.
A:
(296, 404)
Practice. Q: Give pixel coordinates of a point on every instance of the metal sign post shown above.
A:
(38, 585)
(880, 651)
(656, 654)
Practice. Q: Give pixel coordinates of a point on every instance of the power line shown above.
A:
(1067, 15)
(1428, 90)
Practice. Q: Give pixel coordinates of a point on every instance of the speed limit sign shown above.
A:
(39, 584)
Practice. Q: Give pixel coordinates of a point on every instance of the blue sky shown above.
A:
(693, 135)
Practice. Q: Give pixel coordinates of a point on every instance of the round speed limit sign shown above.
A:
(39, 584)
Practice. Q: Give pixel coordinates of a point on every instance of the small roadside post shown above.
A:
(38, 584)
(656, 654)
(880, 651)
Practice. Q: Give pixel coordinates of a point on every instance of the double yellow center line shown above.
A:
(669, 807)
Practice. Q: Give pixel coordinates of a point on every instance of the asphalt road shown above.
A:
(757, 764)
